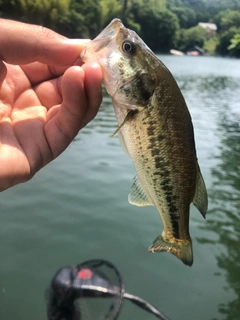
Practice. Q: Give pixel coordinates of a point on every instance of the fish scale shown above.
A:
(156, 131)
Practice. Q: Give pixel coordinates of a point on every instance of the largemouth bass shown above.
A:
(156, 130)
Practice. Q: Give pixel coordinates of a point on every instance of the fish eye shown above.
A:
(128, 47)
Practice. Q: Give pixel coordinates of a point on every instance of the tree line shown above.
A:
(162, 24)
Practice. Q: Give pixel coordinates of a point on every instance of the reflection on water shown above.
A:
(224, 215)
(213, 86)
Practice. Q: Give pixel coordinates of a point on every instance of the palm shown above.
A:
(33, 117)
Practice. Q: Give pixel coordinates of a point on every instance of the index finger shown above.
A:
(23, 43)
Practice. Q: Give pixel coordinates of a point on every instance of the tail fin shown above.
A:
(182, 249)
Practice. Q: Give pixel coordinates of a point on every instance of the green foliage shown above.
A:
(82, 20)
(210, 45)
(191, 37)
(43, 12)
(227, 19)
(158, 27)
(198, 6)
(163, 24)
(186, 17)
(228, 22)
(225, 40)
(109, 9)
(235, 45)
(160, 30)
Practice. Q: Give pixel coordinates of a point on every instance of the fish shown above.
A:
(156, 131)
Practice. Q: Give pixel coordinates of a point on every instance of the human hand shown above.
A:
(46, 97)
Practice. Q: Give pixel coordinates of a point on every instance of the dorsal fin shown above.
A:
(200, 199)
(137, 196)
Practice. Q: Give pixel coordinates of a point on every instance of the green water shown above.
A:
(76, 209)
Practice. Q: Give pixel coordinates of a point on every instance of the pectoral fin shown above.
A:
(129, 115)
(137, 196)
(200, 199)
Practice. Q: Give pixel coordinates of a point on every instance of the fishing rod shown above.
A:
(74, 289)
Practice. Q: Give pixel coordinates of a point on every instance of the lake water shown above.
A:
(76, 209)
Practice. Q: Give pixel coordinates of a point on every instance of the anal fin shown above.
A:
(137, 195)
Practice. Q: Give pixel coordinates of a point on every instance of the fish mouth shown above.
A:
(102, 41)
(106, 36)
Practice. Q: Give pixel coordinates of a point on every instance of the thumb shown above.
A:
(23, 43)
